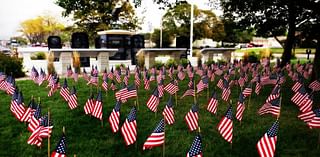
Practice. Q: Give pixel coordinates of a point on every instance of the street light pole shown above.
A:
(161, 32)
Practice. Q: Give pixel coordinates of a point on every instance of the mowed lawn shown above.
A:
(88, 137)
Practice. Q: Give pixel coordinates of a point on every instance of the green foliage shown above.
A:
(206, 24)
(11, 65)
(209, 62)
(166, 38)
(39, 56)
(158, 64)
(251, 57)
(184, 62)
(171, 62)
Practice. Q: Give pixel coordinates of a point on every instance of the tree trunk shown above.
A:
(286, 56)
(316, 63)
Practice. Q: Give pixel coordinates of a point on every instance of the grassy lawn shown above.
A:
(86, 137)
(276, 50)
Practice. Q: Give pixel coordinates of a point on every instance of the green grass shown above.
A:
(86, 137)
(276, 50)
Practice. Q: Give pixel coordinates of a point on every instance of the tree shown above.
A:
(39, 28)
(206, 25)
(269, 18)
(234, 34)
(166, 38)
(96, 15)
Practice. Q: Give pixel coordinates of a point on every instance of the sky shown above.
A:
(13, 12)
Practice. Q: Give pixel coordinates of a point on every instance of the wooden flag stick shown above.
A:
(195, 92)
(208, 90)
(49, 135)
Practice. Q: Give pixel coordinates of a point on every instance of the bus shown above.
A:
(127, 43)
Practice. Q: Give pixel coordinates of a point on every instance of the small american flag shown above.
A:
(129, 128)
(315, 121)
(60, 150)
(114, 117)
(118, 76)
(181, 74)
(75, 75)
(110, 74)
(192, 118)
(171, 87)
(29, 112)
(94, 79)
(189, 92)
(306, 104)
(105, 84)
(130, 92)
(220, 83)
(272, 107)
(156, 138)
(315, 85)
(137, 80)
(225, 126)
(73, 99)
(258, 88)
(266, 146)
(296, 86)
(18, 107)
(154, 100)
(247, 91)
(226, 91)
(35, 119)
(274, 94)
(195, 149)
(168, 112)
(160, 88)
(88, 107)
(69, 71)
(213, 103)
(54, 87)
(97, 108)
(308, 116)
(113, 86)
(300, 95)
(64, 91)
(241, 107)
(43, 131)
(203, 83)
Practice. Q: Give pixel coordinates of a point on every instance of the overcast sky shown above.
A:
(13, 12)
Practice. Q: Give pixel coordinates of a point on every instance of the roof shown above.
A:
(116, 31)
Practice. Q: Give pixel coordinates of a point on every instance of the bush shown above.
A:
(171, 62)
(184, 62)
(265, 53)
(39, 56)
(158, 64)
(251, 57)
(11, 65)
(140, 61)
(209, 62)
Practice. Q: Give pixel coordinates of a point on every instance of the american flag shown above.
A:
(203, 83)
(168, 112)
(154, 100)
(10, 85)
(104, 74)
(225, 91)
(75, 75)
(64, 91)
(69, 71)
(300, 95)
(110, 74)
(190, 83)
(181, 74)
(126, 78)
(73, 99)
(241, 107)
(266, 146)
(170, 73)
(247, 91)
(171, 87)
(43, 131)
(60, 150)
(54, 87)
(156, 138)
(105, 84)
(297, 86)
(42, 77)
(85, 75)
(306, 104)
(160, 88)
(308, 116)
(269, 79)
(94, 79)
(272, 107)
(129, 128)
(14, 100)
(114, 117)
(258, 88)
(137, 80)
(220, 83)
(152, 77)
(97, 108)
(213, 103)
(35, 119)
(242, 79)
(130, 92)
(315, 85)
(119, 93)
(113, 86)
(88, 107)
(189, 92)
(315, 121)
(274, 94)
(34, 73)
(146, 83)
(195, 149)
(18, 107)
(225, 126)
(192, 118)
(29, 111)
(118, 76)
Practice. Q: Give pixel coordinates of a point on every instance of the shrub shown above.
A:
(171, 62)
(265, 53)
(251, 57)
(158, 64)
(184, 62)
(11, 65)
(39, 56)
(209, 62)
(140, 61)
